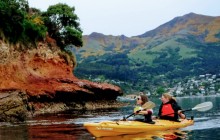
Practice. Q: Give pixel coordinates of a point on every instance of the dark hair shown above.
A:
(144, 99)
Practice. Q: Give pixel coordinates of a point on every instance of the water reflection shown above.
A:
(14, 133)
(157, 135)
(53, 132)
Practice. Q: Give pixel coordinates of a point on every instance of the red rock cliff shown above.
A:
(45, 74)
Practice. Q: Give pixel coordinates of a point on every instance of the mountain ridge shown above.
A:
(179, 20)
(173, 49)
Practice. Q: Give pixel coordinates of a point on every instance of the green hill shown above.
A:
(183, 47)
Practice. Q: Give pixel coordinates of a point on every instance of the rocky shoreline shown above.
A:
(15, 106)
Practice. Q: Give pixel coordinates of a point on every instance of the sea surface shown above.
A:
(69, 125)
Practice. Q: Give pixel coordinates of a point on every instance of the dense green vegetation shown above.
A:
(22, 24)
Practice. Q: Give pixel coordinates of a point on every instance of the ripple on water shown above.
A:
(204, 123)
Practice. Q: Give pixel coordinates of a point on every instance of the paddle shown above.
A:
(147, 105)
(200, 107)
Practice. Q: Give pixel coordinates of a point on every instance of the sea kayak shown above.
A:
(114, 128)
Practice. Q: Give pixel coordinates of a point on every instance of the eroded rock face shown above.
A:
(44, 75)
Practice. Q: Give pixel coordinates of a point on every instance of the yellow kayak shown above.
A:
(115, 128)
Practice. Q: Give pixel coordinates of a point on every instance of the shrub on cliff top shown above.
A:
(12, 16)
(18, 25)
(21, 24)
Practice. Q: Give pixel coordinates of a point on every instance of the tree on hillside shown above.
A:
(160, 91)
(63, 25)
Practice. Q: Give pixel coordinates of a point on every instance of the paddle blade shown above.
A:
(203, 106)
(148, 105)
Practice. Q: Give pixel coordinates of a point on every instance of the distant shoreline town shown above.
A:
(204, 85)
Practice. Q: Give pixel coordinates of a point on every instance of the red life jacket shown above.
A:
(167, 109)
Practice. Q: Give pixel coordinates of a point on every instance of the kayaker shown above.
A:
(147, 113)
(169, 109)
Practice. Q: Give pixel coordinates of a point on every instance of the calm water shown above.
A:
(69, 126)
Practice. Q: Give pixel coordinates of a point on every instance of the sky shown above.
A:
(130, 17)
